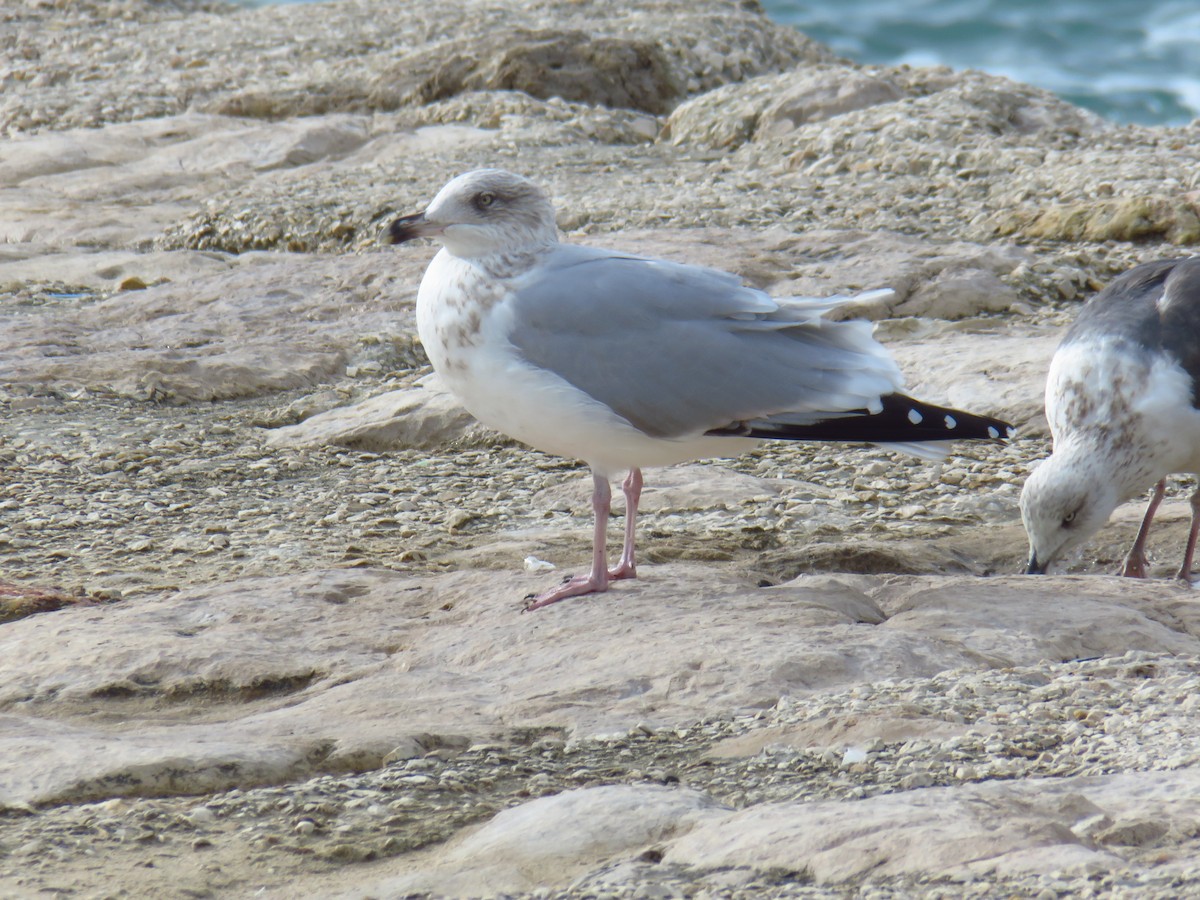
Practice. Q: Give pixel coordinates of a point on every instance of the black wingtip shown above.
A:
(901, 420)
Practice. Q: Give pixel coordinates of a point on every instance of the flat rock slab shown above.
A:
(999, 829)
(268, 679)
(422, 415)
(553, 839)
(1050, 826)
(260, 323)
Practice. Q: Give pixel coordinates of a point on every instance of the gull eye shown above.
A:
(1068, 519)
(485, 199)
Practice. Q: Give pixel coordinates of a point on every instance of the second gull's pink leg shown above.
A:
(1135, 562)
(1185, 570)
(627, 567)
(596, 581)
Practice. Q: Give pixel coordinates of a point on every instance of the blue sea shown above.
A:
(1129, 60)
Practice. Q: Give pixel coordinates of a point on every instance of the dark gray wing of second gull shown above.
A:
(1152, 308)
(680, 350)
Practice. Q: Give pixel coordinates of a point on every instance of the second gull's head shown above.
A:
(1064, 502)
(484, 212)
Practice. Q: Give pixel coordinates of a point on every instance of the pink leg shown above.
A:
(627, 567)
(1185, 571)
(596, 581)
(1135, 562)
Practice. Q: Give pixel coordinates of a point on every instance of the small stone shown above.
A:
(201, 816)
(853, 756)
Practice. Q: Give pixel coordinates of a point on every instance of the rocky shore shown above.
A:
(261, 580)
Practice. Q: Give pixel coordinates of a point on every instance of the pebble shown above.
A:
(201, 817)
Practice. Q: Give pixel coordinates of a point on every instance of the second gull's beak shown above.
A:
(1034, 567)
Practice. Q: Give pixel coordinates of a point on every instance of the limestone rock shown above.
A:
(822, 95)
(952, 294)
(328, 671)
(551, 840)
(17, 601)
(256, 325)
(770, 106)
(1174, 219)
(994, 829)
(841, 731)
(776, 106)
(989, 830)
(422, 416)
(727, 117)
(617, 72)
(248, 62)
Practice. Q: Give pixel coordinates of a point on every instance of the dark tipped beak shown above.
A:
(1035, 567)
(406, 228)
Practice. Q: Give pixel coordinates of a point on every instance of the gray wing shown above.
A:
(1180, 312)
(679, 350)
(1127, 309)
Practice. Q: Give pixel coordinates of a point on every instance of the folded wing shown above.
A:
(682, 350)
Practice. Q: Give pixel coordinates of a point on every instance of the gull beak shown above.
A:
(406, 228)
(1035, 567)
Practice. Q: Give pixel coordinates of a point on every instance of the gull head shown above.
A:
(1064, 502)
(484, 212)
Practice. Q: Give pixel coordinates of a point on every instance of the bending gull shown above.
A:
(1124, 412)
(624, 361)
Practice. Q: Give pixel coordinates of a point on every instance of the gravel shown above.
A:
(1139, 712)
(118, 495)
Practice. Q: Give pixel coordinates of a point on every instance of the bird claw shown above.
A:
(571, 586)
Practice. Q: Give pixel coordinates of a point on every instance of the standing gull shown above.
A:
(624, 361)
(1124, 411)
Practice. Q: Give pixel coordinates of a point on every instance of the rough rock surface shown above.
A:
(260, 579)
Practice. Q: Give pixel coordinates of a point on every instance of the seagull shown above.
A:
(625, 361)
(1124, 412)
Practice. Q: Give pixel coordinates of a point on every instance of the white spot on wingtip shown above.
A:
(950, 423)
(875, 407)
(993, 432)
(1010, 432)
(915, 417)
